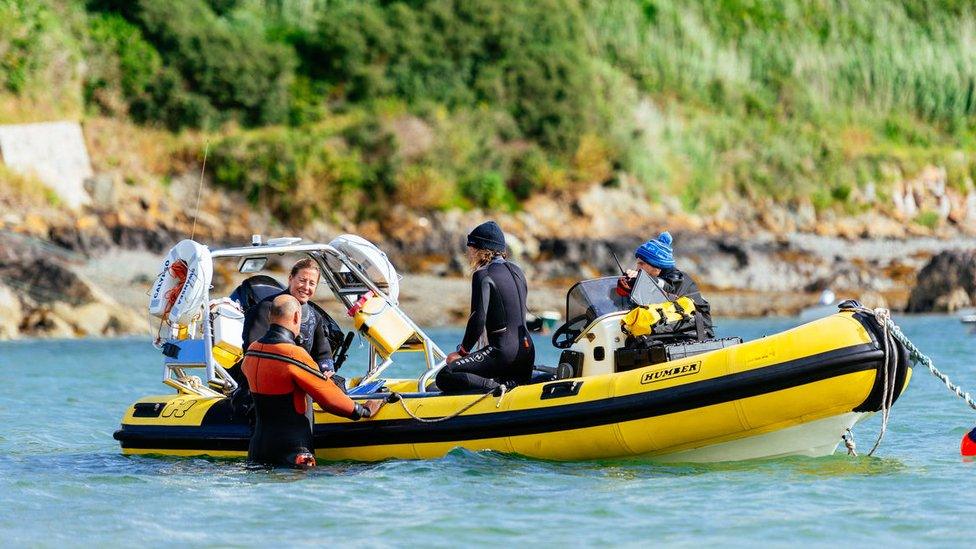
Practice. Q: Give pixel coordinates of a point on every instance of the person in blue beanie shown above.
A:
(656, 258)
(498, 308)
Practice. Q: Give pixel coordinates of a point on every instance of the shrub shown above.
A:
(526, 172)
(40, 58)
(528, 57)
(227, 66)
(593, 160)
(486, 190)
(424, 188)
(122, 62)
(928, 218)
(298, 174)
(840, 192)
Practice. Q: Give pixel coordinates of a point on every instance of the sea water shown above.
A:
(64, 481)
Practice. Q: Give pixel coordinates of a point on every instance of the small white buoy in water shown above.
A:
(827, 297)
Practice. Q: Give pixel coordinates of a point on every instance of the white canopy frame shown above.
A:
(346, 285)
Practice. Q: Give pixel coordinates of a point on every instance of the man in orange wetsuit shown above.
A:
(281, 374)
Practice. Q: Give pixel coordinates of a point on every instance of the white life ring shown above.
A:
(195, 275)
(369, 259)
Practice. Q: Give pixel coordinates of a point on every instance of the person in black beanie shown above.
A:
(498, 309)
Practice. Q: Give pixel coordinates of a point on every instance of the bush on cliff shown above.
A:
(529, 58)
(299, 175)
(794, 101)
(40, 60)
(217, 67)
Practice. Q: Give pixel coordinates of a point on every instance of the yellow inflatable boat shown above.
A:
(792, 393)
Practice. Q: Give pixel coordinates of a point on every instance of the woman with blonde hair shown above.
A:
(498, 308)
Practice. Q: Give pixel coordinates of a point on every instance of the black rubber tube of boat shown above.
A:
(896, 375)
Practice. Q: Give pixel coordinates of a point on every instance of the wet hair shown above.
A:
(302, 264)
(283, 306)
(483, 257)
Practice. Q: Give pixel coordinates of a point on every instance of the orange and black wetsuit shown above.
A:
(281, 374)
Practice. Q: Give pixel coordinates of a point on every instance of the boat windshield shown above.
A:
(595, 298)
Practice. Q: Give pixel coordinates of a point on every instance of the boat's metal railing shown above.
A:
(174, 373)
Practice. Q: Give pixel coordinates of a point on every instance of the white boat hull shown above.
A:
(814, 439)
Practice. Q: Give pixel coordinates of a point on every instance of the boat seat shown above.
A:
(253, 289)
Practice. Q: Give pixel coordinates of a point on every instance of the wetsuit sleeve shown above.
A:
(256, 323)
(321, 349)
(480, 294)
(329, 396)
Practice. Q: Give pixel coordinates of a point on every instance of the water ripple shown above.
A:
(64, 481)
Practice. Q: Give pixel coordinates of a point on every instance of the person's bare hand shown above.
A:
(624, 283)
(453, 356)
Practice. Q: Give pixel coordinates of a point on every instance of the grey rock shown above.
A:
(945, 282)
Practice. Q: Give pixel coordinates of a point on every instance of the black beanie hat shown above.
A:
(487, 236)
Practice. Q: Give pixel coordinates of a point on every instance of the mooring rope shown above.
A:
(891, 333)
(918, 357)
(883, 316)
(398, 398)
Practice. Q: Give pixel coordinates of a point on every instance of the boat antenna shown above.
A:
(617, 261)
(196, 210)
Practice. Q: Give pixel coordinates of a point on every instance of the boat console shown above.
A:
(594, 342)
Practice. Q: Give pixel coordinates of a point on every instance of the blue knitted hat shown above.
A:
(657, 252)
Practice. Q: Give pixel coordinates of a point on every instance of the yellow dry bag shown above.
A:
(642, 320)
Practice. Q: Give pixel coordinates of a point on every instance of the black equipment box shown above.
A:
(656, 352)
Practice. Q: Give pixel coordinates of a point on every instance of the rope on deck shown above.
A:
(499, 392)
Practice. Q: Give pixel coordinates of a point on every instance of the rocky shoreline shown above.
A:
(47, 291)
(68, 273)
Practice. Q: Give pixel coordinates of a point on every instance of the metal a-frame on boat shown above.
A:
(358, 274)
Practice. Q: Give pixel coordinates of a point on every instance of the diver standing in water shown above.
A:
(498, 309)
(281, 374)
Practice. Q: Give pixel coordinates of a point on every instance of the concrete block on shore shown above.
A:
(54, 152)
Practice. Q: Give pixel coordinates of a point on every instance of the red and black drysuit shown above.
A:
(281, 374)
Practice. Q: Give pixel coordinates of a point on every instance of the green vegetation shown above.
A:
(315, 104)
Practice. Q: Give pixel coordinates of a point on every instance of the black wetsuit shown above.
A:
(317, 334)
(314, 336)
(498, 308)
